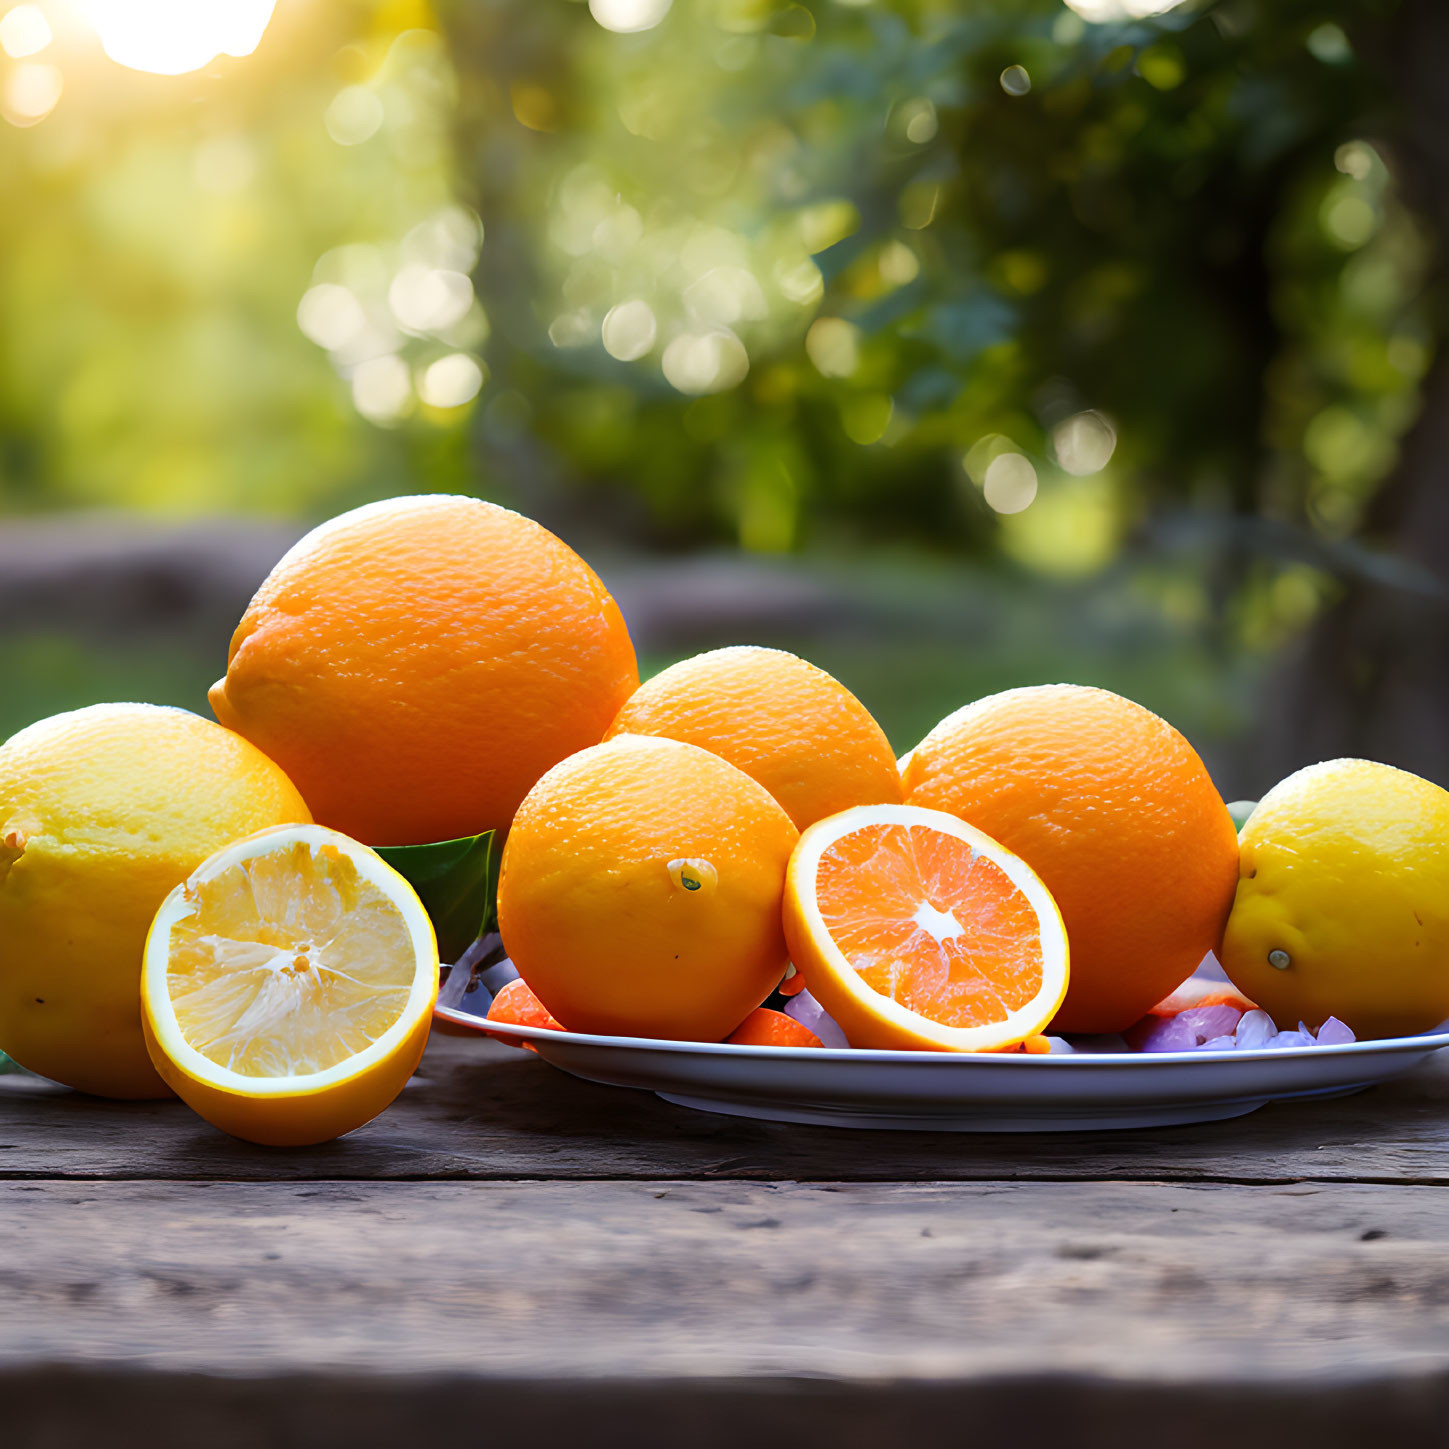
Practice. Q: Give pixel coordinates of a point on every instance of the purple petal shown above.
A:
(809, 1013)
(1220, 1044)
(1286, 1039)
(1334, 1033)
(1189, 1029)
(1255, 1030)
(1169, 1034)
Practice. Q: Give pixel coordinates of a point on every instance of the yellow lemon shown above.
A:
(102, 812)
(289, 986)
(1342, 906)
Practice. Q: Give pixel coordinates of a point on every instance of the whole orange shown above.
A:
(415, 665)
(1115, 812)
(803, 735)
(641, 890)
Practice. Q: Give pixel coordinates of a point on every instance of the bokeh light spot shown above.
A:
(1328, 43)
(917, 120)
(823, 225)
(983, 452)
(1015, 81)
(24, 31)
(1162, 67)
(1102, 12)
(572, 329)
(695, 363)
(833, 345)
(898, 264)
(1010, 483)
(331, 316)
(629, 330)
(32, 91)
(1356, 159)
(1084, 443)
(382, 390)
(629, 16)
(724, 296)
(800, 282)
(1349, 220)
(429, 299)
(354, 116)
(451, 381)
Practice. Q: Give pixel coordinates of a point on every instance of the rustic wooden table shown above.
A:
(526, 1258)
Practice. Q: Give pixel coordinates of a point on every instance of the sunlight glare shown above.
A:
(172, 37)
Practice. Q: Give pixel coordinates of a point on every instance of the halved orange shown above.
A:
(916, 931)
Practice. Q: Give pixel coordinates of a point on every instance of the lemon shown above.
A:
(1342, 905)
(289, 986)
(102, 811)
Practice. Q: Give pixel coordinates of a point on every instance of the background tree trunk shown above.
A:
(1371, 678)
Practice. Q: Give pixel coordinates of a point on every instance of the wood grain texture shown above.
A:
(932, 1282)
(483, 1111)
(716, 1314)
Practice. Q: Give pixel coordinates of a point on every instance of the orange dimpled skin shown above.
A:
(415, 665)
(1114, 810)
(641, 889)
(805, 737)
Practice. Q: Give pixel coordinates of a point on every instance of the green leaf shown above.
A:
(457, 882)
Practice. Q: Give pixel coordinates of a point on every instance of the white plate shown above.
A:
(947, 1092)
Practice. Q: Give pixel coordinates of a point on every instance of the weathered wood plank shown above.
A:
(484, 1111)
(93, 1404)
(932, 1281)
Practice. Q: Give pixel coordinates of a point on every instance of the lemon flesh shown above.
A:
(289, 986)
(1342, 904)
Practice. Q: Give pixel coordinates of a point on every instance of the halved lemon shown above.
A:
(916, 931)
(288, 986)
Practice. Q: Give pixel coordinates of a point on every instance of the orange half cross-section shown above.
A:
(916, 931)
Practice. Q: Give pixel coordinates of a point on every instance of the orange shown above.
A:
(640, 891)
(1116, 813)
(916, 931)
(518, 1006)
(417, 664)
(763, 1027)
(805, 737)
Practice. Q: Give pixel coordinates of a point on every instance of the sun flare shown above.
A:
(171, 37)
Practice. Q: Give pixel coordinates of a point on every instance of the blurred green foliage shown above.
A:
(1006, 283)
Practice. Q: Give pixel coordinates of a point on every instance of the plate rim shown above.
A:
(1014, 1061)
